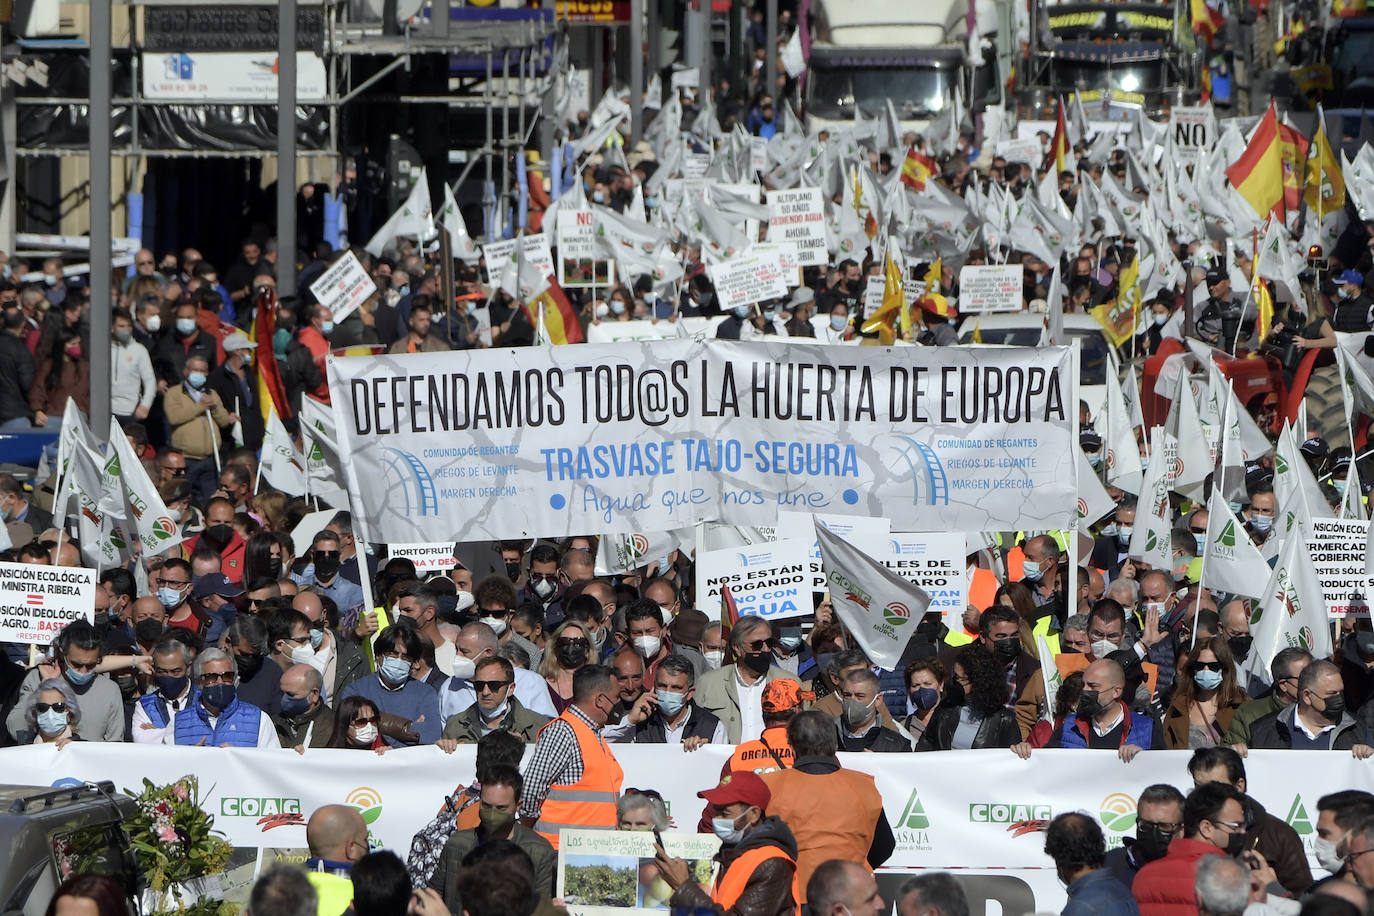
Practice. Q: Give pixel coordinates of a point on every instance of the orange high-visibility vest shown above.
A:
(588, 803)
(769, 752)
(730, 883)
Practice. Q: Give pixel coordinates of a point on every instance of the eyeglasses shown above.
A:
(1231, 826)
(55, 707)
(211, 677)
(571, 641)
(647, 793)
(1208, 666)
(498, 612)
(405, 658)
(759, 645)
(1352, 856)
(364, 721)
(543, 577)
(1156, 826)
(1202, 530)
(297, 640)
(484, 686)
(172, 583)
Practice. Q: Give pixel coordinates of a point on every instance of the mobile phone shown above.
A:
(658, 838)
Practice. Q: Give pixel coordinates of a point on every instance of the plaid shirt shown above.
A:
(557, 760)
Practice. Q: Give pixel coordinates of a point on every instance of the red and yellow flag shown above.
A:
(560, 321)
(1206, 21)
(271, 387)
(916, 170)
(1259, 291)
(1118, 317)
(1258, 173)
(1293, 148)
(1325, 185)
(1058, 156)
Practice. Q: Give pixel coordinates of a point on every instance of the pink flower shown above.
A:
(181, 792)
(167, 834)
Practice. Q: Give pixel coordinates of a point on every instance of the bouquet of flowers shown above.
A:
(175, 843)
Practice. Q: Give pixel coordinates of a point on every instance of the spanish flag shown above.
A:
(1325, 185)
(1259, 291)
(1058, 156)
(1258, 173)
(916, 170)
(1293, 148)
(271, 387)
(560, 321)
(1206, 21)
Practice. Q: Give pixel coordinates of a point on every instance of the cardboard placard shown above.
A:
(1337, 547)
(613, 871)
(990, 288)
(426, 557)
(766, 580)
(343, 287)
(36, 602)
(752, 277)
(798, 216)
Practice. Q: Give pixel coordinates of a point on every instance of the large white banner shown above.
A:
(658, 435)
(941, 817)
(228, 76)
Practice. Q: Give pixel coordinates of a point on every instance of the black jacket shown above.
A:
(16, 377)
(1280, 846)
(880, 740)
(1276, 731)
(997, 730)
(225, 383)
(1358, 680)
(170, 352)
(701, 723)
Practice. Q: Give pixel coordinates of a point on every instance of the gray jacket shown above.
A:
(101, 705)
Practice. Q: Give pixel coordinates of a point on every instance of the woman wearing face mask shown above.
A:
(262, 558)
(839, 329)
(974, 713)
(52, 714)
(1205, 698)
(1017, 596)
(925, 684)
(1153, 322)
(571, 650)
(357, 726)
(619, 306)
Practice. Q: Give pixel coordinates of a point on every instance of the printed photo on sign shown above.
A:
(603, 871)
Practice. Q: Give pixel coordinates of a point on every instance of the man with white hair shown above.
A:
(1223, 886)
(217, 717)
(477, 641)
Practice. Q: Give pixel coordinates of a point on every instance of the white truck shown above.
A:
(916, 54)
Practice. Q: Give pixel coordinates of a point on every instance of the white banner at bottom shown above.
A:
(978, 813)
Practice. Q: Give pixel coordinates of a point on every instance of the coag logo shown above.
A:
(270, 812)
(1117, 812)
(914, 815)
(637, 545)
(1297, 817)
(368, 802)
(896, 613)
(1021, 818)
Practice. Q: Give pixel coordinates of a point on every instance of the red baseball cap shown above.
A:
(739, 787)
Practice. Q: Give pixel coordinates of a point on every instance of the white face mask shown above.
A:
(1327, 856)
(365, 735)
(302, 655)
(464, 667)
(648, 646)
(498, 624)
(1103, 647)
(714, 659)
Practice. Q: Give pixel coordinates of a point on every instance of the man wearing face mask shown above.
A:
(1040, 573)
(1260, 518)
(742, 323)
(324, 573)
(497, 807)
(758, 854)
(133, 385)
(219, 598)
(304, 719)
(420, 603)
(1102, 720)
(545, 585)
(1213, 819)
(1284, 670)
(1235, 629)
(395, 693)
(573, 779)
(76, 654)
(644, 622)
(177, 342)
(1338, 815)
(259, 682)
(496, 600)
(860, 695)
(667, 715)
(1317, 721)
(233, 380)
(477, 642)
(713, 646)
(592, 610)
(196, 415)
(733, 692)
(496, 708)
(340, 661)
(289, 644)
(999, 630)
(1158, 822)
(1109, 551)
(314, 337)
(216, 717)
(840, 665)
(1266, 834)
(173, 583)
(171, 694)
(121, 589)
(219, 534)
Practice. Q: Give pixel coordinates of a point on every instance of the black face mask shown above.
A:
(326, 567)
(218, 536)
(1235, 844)
(1364, 644)
(1089, 704)
(1153, 844)
(757, 662)
(1007, 650)
(274, 567)
(513, 571)
(571, 656)
(249, 665)
(148, 630)
(1335, 708)
(1240, 646)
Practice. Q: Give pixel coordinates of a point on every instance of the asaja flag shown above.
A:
(146, 513)
(880, 608)
(1292, 611)
(282, 465)
(1258, 173)
(916, 170)
(1233, 563)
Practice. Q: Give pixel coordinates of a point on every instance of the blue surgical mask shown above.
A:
(1123, 533)
(789, 643)
(618, 306)
(724, 827)
(326, 327)
(1207, 680)
(496, 713)
(1032, 572)
(1235, 508)
(394, 670)
(770, 314)
(839, 322)
(316, 639)
(1160, 319)
(650, 202)
(404, 290)
(291, 707)
(1201, 541)
(598, 197)
(1094, 459)
(185, 326)
(80, 678)
(1262, 523)
(52, 722)
(195, 379)
(219, 696)
(740, 311)
(472, 307)
(169, 597)
(670, 703)
(1340, 486)
(1109, 531)
(923, 698)
(50, 279)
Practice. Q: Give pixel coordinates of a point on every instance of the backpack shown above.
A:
(428, 844)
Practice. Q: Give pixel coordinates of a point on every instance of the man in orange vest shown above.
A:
(758, 855)
(573, 779)
(834, 813)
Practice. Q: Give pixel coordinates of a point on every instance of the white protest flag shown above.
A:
(282, 465)
(84, 480)
(1352, 502)
(1054, 314)
(1292, 612)
(1233, 562)
(1153, 518)
(146, 513)
(879, 607)
(414, 219)
(1194, 461)
(1295, 488)
(625, 553)
(1279, 262)
(72, 432)
(1124, 469)
(1049, 671)
(459, 242)
(323, 463)
(1131, 389)
(1093, 501)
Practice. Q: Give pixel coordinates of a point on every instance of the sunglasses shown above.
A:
(1209, 666)
(1198, 530)
(223, 677)
(365, 721)
(647, 793)
(484, 686)
(55, 707)
(573, 641)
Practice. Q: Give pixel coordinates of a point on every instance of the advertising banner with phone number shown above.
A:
(942, 819)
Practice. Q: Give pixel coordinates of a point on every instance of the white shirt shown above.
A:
(750, 707)
(1100, 731)
(145, 732)
(456, 695)
(1311, 735)
(673, 735)
(130, 370)
(267, 731)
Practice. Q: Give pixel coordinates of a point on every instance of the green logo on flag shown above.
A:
(1280, 465)
(1228, 535)
(112, 467)
(1297, 817)
(914, 814)
(1151, 542)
